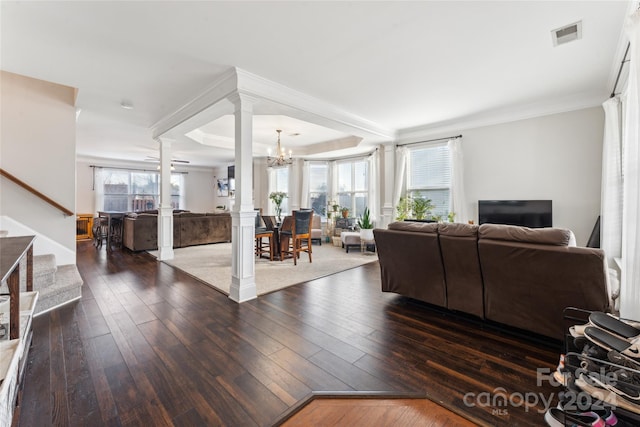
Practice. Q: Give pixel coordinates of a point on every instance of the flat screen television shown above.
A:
(527, 213)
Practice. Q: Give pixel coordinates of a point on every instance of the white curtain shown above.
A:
(374, 187)
(630, 283)
(611, 211)
(401, 165)
(305, 199)
(98, 188)
(333, 182)
(271, 176)
(458, 198)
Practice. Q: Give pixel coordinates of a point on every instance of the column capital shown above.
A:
(163, 140)
(242, 100)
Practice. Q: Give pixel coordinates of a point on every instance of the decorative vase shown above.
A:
(345, 214)
(278, 214)
(366, 234)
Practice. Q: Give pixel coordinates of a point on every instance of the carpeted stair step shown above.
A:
(44, 271)
(67, 288)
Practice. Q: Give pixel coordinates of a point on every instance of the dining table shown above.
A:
(115, 220)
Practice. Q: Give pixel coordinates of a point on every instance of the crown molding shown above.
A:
(218, 91)
(305, 107)
(268, 97)
(500, 116)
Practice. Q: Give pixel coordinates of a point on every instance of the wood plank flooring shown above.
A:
(149, 345)
(327, 412)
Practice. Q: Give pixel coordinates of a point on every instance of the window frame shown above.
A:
(177, 198)
(323, 206)
(275, 185)
(353, 193)
(441, 210)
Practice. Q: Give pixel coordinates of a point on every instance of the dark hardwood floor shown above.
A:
(149, 345)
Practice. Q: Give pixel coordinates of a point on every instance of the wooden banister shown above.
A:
(35, 192)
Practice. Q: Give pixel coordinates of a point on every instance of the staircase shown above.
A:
(56, 284)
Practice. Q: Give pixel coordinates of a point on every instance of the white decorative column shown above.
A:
(165, 210)
(388, 176)
(243, 283)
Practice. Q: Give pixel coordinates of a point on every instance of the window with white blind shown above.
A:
(353, 186)
(135, 191)
(429, 176)
(318, 187)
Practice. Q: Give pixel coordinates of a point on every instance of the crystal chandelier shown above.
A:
(280, 158)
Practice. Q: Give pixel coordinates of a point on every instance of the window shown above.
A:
(429, 176)
(318, 187)
(353, 186)
(280, 182)
(134, 191)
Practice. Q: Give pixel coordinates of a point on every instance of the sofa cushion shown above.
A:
(459, 247)
(420, 227)
(458, 229)
(187, 214)
(410, 262)
(513, 233)
(142, 216)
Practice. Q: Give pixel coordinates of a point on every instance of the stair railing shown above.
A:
(35, 192)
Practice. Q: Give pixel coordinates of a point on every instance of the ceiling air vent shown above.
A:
(567, 34)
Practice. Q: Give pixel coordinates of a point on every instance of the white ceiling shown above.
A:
(403, 66)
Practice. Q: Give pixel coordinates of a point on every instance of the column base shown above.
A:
(242, 292)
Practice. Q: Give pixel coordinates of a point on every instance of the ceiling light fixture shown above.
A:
(126, 105)
(280, 158)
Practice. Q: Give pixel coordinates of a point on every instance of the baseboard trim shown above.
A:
(55, 307)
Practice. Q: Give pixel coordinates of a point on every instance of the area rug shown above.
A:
(212, 265)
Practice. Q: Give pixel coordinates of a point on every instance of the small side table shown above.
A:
(367, 246)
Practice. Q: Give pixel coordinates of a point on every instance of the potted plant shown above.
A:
(403, 208)
(277, 197)
(366, 226)
(345, 212)
(421, 207)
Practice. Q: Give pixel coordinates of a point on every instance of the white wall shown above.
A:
(557, 157)
(37, 145)
(84, 188)
(200, 191)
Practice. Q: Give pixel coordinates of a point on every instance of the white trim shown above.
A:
(273, 98)
(55, 307)
(500, 116)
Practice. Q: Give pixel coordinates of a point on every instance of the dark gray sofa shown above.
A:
(516, 276)
(140, 231)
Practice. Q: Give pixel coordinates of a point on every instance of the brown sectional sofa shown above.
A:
(516, 276)
(140, 231)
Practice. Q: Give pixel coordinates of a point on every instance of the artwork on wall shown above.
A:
(223, 187)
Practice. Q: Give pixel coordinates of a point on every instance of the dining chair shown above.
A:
(262, 232)
(269, 221)
(100, 231)
(300, 235)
